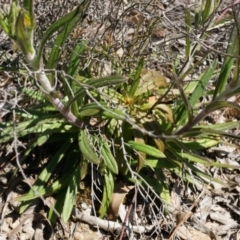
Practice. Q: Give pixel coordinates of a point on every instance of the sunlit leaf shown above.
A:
(86, 147)
(150, 80)
(109, 159)
(149, 150)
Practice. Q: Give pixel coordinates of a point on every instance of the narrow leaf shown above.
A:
(79, 11)
(198, 92)
(136, 79)
(221, 104)
(94, 84)
(71, 193)
(108, 157)
(107, 193)
(48, 170)
(149, 150)
(86, 147)
(227, 64)
(138, 137)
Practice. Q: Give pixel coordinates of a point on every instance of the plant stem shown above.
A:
(192, 123)
(66, 112)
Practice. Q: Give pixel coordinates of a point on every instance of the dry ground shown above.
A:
(210, 212)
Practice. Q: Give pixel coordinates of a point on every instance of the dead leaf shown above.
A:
(192, 234)
(120, 191)
(160, 144)
(151, 80)
(181, 218)
(152, 99)
(200, 226)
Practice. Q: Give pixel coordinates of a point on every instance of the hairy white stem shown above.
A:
(30, 55)
(71, 118)
(44, 82)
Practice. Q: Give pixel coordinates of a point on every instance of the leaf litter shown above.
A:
(215, 216)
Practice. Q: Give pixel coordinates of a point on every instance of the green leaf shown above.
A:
(108, 158)
(197, 17)
(32, 126)
(107, 193)
(63, 182)
(149, 150)
(227, 64)
(58, 44)
(92, 109)
(43, 139)
(94, 84)
(44, 176)
(72, 70)
(114, 95)
(220, 126)
(126, 132)
(3, 23)
(48, 191)
(139, 137)
(71, 194)
(33, 94)
(221, 104)
(87, 112)
(24, 35)
(186, 106)
(235, 79)
(75, 59)
(200, 144)
(58, 205)
(29, 7)
(187, 154)
(221, 133)
(136, 79)
(194, 66)
(184, 158)
(12, 19)
(208, 8)
(156, 164)
(114, 114)
(198, 92)
(78, 12)
(165, 193)
(202, 174)
(86, 147)
(201, 87)
(83, 168)
(159, 186)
